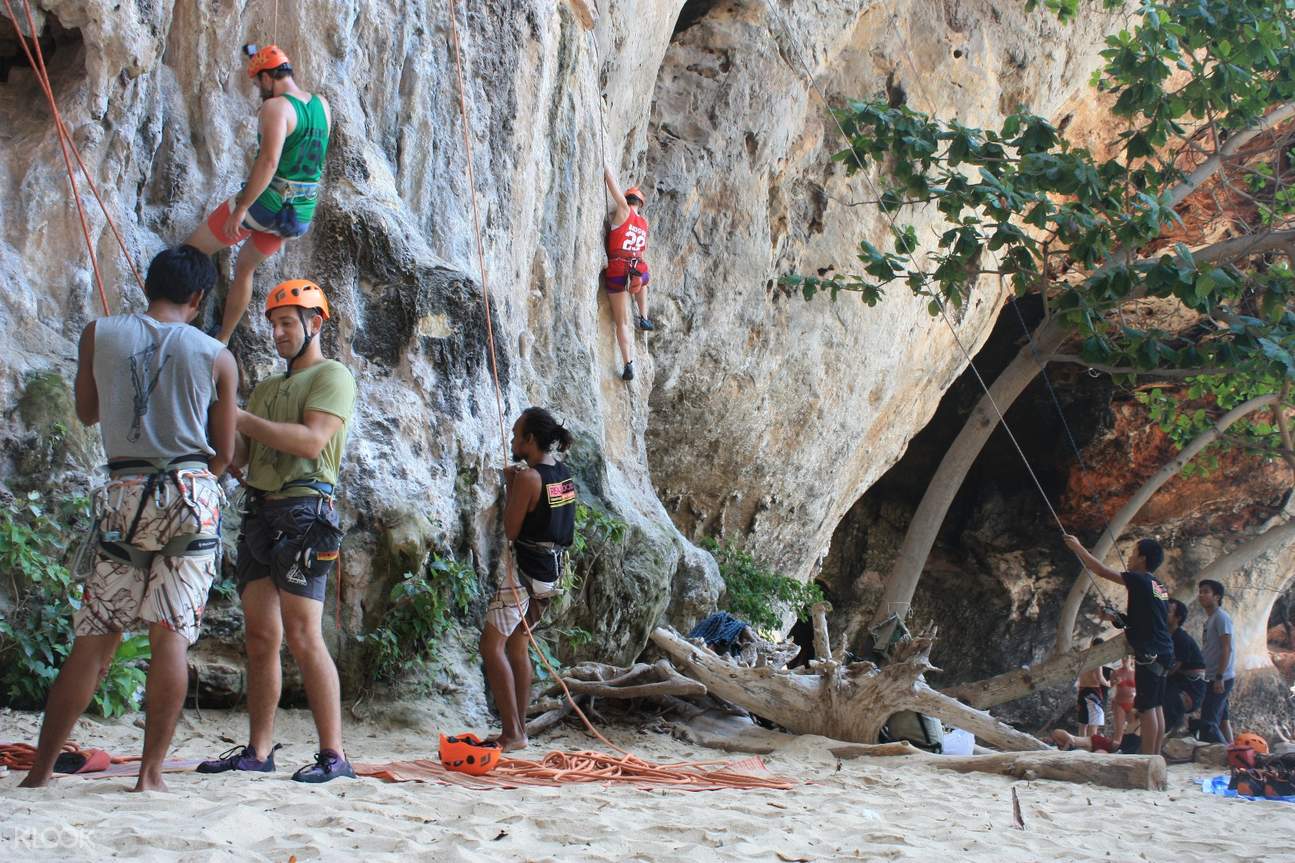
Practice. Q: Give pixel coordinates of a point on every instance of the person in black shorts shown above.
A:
(1146, 626)
(1185, 686)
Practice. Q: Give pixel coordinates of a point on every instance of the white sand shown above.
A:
(863, 809)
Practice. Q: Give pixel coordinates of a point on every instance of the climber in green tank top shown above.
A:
(278, 201)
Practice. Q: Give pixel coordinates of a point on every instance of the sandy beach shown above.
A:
(861, 809)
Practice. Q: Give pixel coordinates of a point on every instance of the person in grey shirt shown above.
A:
(1220, 663)
(164, 396)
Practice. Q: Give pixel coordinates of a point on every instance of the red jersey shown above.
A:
(629, 240)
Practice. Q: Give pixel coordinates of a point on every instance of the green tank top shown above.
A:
(302, 162)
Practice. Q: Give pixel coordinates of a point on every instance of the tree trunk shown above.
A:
(1141, 772)
(849, 703)
(732, 734)
(957, 461)
(1043, 675)
(1079, 590)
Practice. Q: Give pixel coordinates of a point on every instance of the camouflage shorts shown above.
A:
(173, 590)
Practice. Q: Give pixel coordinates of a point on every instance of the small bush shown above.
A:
(36, 632)
(756, 593)
(423, 608)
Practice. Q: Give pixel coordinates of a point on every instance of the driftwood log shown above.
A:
(1059, 670)
(597, 680)
(845, 702)
(1144, 772)
(734, 734)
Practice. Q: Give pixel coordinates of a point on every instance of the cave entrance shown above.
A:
(982, 584)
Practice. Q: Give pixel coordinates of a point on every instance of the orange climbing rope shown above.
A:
(37, 62)
(600, 767)
(560, 766)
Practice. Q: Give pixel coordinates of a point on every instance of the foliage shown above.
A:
(36, 632)
(756, 593)
(597, 534)
(1185, 414)
(423, 607)
(1023, 204)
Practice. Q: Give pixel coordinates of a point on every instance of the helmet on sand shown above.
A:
(1254, 741)
(466, 753)
(265, 59)
(302, 293)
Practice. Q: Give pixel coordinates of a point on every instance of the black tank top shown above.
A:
(554, 517)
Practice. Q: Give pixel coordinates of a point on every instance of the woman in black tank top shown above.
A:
(539, 519)
(541, 514)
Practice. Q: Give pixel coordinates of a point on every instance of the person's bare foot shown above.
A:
(150, 783)
(511, 744)
(33, 781)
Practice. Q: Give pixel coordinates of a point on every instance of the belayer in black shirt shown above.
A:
(1146, 628)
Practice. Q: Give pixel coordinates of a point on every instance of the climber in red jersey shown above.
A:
(627, 270)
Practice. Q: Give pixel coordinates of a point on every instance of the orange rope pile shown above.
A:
(599, 767)
(37, 62)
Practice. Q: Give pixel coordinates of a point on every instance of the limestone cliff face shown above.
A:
(756, 415)
(770, 415)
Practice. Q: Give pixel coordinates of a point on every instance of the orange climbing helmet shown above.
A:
(634, 192)
(1252, 740)
(466, 753)
(265, 59)
(301, 293)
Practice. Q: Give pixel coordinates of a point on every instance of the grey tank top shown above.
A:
(155, 387)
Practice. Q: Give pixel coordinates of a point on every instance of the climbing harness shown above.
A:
(156, 481)
(66, 143)
(294, 191)
(936, 298)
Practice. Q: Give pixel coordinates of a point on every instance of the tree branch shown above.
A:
(1075, 359)
(1213, 164)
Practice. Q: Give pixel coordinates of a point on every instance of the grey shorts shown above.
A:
(294, 542)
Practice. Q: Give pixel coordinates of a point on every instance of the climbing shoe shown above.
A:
(628, 374)
(646, 325)
(327, 767)
(240, 758)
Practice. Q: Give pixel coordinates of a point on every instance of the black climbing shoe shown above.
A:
(240, 758)
(327, 767)
(628, 374)
(646, 325)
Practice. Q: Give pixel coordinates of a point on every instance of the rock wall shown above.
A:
(757, 416)
(770, 415)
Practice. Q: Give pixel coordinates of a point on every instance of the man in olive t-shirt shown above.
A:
(291, 438)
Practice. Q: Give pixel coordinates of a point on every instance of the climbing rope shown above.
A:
(37, 63)
(935, 296)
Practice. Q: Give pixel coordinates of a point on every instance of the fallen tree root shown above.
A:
(844, 702)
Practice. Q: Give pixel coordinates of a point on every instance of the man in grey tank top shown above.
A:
(164, 395)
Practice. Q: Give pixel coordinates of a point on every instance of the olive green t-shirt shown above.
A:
(327, 387)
